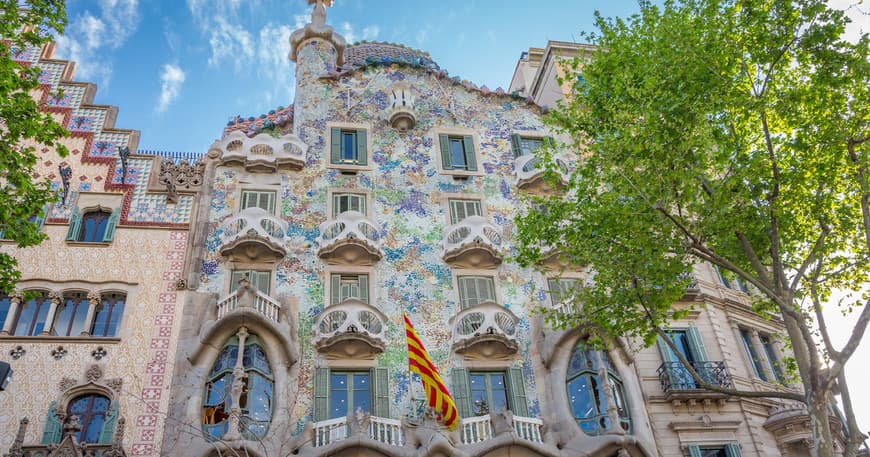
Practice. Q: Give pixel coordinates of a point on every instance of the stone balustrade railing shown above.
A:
(479, 429)
(380, 429)
(262, 303)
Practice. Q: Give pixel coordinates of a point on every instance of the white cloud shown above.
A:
(92, 32)
(273, 64)
(170, 85)
(369, 32)
(230, 42)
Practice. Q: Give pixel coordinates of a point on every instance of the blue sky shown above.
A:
(179, 69)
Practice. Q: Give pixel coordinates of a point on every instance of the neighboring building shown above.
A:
(275, 328)
(90, 331)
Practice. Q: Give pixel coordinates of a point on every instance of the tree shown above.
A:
(23, 127)
(733, 132)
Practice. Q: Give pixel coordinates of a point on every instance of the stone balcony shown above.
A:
(349, 238)
(246, 297)
(679, 386)
(485, 331)
(474, 242)
(252, 234)
(531, 174)
(350, 329)
(262, 153)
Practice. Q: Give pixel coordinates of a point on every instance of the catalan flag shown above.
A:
(436, 393)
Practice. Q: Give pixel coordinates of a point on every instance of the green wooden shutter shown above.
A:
(696, 344)
(515, 145)
(321, 394)
(667, 355)
(110, 226)
(335, 289)
(380, 392)
(75, 225)
(461, 391)
(694, 450)
(361, 147)
(364, 288)
(444, 142)
(109, 425)
(732, 450)
(470, 157)
(51, 434)
(518, 401)
(335, 149)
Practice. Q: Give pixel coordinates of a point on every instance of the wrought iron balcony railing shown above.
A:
(675, 377)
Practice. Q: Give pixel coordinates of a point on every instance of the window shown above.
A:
(586, 390)
(691, 346)
(523, 145)
(107, 318)
(254, 399)
(483, 392)
(258, 199)
(72, 317)
(32, 316)
(561, 289)
(730, 280)
(343, 202)
(38, 219)
(261, 280)
(93, 226)
(348, 146)
(457, 152)
(5, 304)
(462, 208)
(91, 410)
(752, 353)
(474, 290)
(345, 286)
(772, 357)
(728, 450)
(339, 392)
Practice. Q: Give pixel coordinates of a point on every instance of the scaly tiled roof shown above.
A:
(366, 52)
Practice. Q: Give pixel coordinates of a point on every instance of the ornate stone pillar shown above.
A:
(93, 302)
(612, 411)
(15, 299)
(233, 432)
(56, 299)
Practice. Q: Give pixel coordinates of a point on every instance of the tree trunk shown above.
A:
(823, 438)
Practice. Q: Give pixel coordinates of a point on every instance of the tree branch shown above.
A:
(852, 344)
(753, 258)
(820, 318)
(810, 257)
(856, 437)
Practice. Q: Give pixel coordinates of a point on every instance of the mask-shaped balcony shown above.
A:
(530, 174)
(252, 234)
(263, 153)
(349, 238)
(350, 329)
(485, 331)
(472, 243)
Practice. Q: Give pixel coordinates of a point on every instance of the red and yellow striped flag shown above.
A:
(436, 393)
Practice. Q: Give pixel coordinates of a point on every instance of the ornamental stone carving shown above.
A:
(182, 175)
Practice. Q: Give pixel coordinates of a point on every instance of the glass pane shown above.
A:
(5, 303)
(259, 405)
(218, 390)
(94, 226)
(457, 154)
(499, 391)
(348, 147)
(256, 358)
(101, 404)
(580, 397)
(530, 145)
(79, 405)
(115, 318)
(713, 452)
(25, 317)
(93, 428)
(480, 403)
(40, 317)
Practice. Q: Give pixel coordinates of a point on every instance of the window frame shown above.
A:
(259, 192)
(81, 302)
(357, 129)
(453, 201)
(476, 155)
(233, 286)
(85, 420)
(43, 302)
(113, 304)
(349, 270)
(597, 393)
(476, 274)
(517, 137)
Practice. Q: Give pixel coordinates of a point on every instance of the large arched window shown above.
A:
(91, 410)
(254, 398)
(71, 319)
(593, 385)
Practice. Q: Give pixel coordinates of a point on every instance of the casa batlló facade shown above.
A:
(250, 302)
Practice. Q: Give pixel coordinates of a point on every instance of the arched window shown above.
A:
(592, 384)
(71, 319)
(108, 315)
(91, 410)
(254, 398)
(94, 225)
(32, 316)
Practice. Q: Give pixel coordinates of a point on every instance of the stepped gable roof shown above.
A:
(251, 126)
(360, 53)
